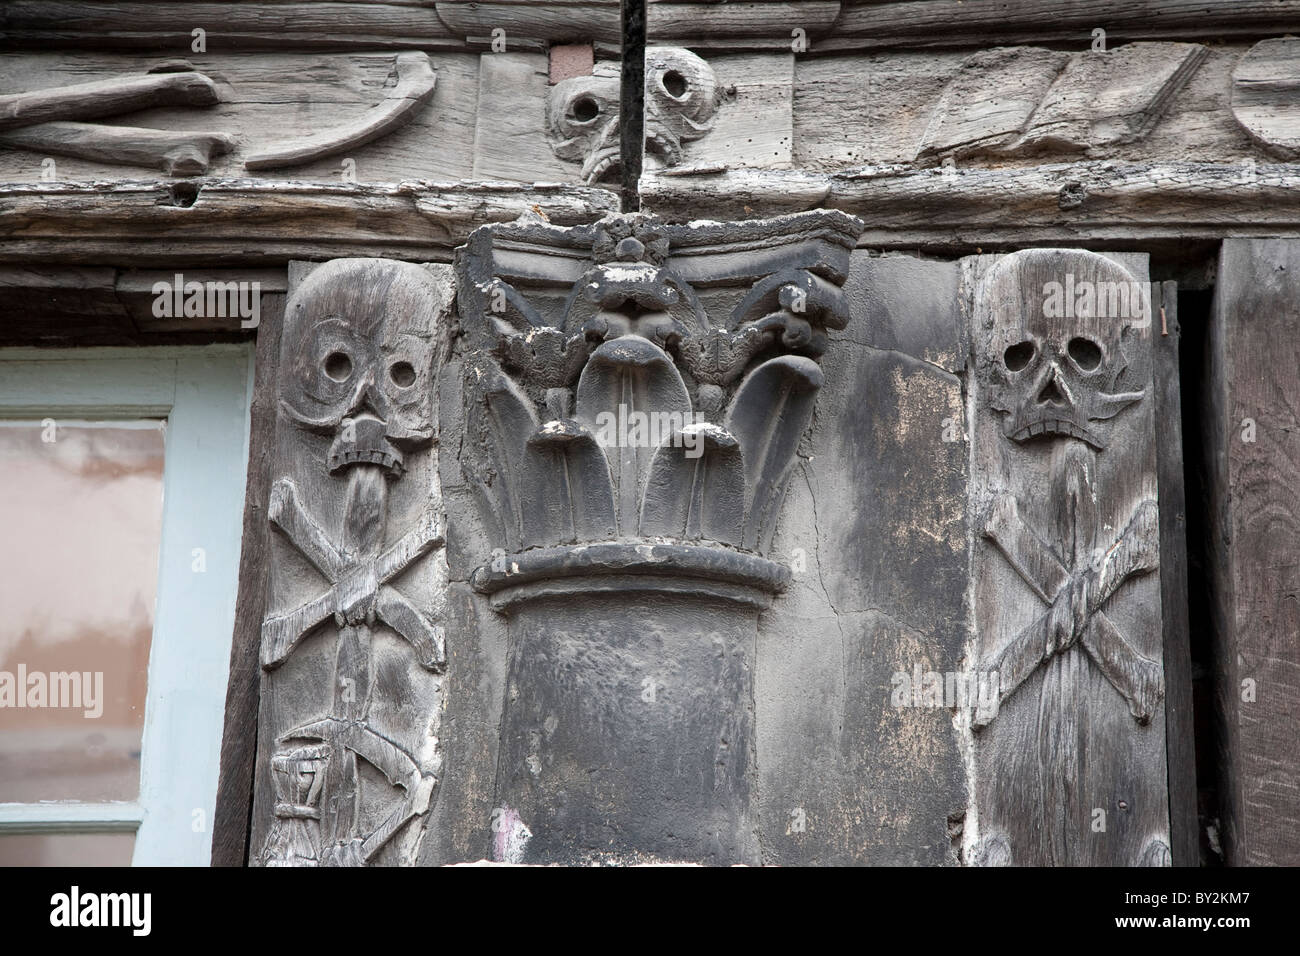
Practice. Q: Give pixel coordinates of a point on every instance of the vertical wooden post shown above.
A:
(1252, 410)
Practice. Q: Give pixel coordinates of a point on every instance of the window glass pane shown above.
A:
(81, 513)
(66, 849)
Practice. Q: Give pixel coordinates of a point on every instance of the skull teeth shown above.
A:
(1054, 426)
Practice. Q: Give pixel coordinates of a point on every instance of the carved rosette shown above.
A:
(633, 415)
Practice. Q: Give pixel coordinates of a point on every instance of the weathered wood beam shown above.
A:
(232, 222)
(1253, 450)
(27, 24)
(931, 23)
(966, 207)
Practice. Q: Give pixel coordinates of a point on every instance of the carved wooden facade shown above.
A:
(760, 441)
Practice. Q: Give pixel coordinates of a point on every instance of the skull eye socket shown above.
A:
(674, 84)
(585, 109)
(1085, 352)
(402, 374)
(338, 366)
(1019, 355)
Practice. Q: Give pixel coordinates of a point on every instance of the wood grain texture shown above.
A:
(231, 222)
(108, 97)
(525, 23)
(1180, 732)
(1266, 95)
(1253, 409)
(509, 139)
(268, 99)
(962, 207)
(990, 22)
(415, 86)
(235, 784)
(33, 24)
(1068, 743)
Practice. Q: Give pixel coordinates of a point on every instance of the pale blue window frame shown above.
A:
(204, 393)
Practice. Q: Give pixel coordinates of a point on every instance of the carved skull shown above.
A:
(359, 355)
(681, 98)
(1056, 326)
(583, 111)
(582, 117)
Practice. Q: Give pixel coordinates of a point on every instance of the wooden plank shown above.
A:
(1180, 731)
(35, 24)
(564, 22)
(1067, 728)
(510, 134)
(990, 22)
(234, 222)
(1112, 201)
(1254, 455)
(266, 100)
(235, 784)
(687, 22)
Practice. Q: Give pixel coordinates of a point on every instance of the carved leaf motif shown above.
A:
(771, 410)
(696, 487)
(568, 494)
(628, 380)
(502, 418)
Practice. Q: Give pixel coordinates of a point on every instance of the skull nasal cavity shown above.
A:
(1051, 394)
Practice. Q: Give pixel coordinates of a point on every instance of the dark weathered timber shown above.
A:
(1011, 207)
(351, 645)
(1254, 394)
(1069, 740)
(232, 222)
(240, 26)
(919, 23)
(1180, 732)
(235, 784)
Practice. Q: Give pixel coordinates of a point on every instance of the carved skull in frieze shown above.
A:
(582, 117)
(680, 102)
(1059, 331)
(361, 335)
(681, 98)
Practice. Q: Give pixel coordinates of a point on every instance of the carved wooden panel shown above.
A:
(353, 647)
(1068, 733)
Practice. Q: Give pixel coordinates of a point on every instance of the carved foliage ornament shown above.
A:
(359, 353)
(621, 401)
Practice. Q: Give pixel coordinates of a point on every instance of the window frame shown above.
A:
(205, 394)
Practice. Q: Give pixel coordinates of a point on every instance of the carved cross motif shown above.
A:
(1076, 597)
(357, 592)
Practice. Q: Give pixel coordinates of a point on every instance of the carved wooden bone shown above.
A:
(352, 584)
(1075, 598)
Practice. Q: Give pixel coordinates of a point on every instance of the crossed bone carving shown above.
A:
(1076, 597)
(358, 593)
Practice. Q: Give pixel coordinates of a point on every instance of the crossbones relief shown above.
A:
(359, 333)
(1075, 597)
(358, 592)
